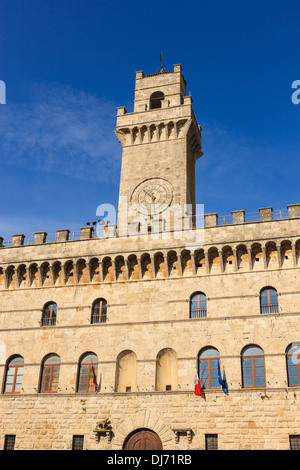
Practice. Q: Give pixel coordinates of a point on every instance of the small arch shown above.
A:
(87, 373)
(208, 367)
(126, 372)
(200, 261)
(173, 260)
(45, 274)
(156, 100)
(268, 300)
(228, 258)
(49, 374)
(99, 311)
(160, 266)
(11, 277)
(22, 275)
(198, 305)
(271, 255)
(257, 256)
(293, 364)
(214, 260)
(146, 266)
(133, 267)
(242, 257)
(82, 271)
(120, 268)
(49, 315)
(58, 273)
(166, 370)
(13, 374)
(69, 272)
(108, 274)
(95, 270)
(253, 366)
(142, 439)
(187, 265)
(286, 253)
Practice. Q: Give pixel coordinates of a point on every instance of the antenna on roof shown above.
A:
(161, 68)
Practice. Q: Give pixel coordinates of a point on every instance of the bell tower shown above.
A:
(161, 142)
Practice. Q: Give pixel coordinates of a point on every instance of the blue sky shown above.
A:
(68, 65)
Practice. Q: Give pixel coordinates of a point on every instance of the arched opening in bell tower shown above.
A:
(156, 99)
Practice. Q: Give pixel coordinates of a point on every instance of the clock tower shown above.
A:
(161, 142)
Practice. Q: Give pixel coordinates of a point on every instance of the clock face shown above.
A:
(152, 196)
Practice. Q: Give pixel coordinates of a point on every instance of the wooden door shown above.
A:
(144, 439)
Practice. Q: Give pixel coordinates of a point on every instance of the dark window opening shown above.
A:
(156, 99)
(9, 442)
(77, 443)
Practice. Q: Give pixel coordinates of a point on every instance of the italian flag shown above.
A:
(198, 390)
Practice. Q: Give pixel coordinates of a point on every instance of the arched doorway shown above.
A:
(143, 439)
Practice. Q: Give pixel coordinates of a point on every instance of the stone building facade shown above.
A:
(101, 337)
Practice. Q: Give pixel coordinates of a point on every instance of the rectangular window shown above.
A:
(211, 441)
(9, 442)
(295, 442)
(77, 442)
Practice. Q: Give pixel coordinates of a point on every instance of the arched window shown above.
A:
(156, 99)
(99, 311)
(208, 367)
(198, 305)
(253, 367)
(87, 379)
(293, 364)
(14, 375)
(166, 370)
(126, 371)
(268, 300)
(49, 314)
(50, 374)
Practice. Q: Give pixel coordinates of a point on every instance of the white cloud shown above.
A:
(61, 130)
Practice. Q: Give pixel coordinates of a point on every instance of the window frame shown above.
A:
(9, 442)
(51, 319)
(289, 366)
(15, 375)
(294, 441)
(209, 377)
(100, 317)
(77, 442)
(201, 312)
(51, 382)
(90, 387)
(211, 441)
(269, 307)
(253, 367)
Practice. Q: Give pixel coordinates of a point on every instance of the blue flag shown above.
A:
(222, 381)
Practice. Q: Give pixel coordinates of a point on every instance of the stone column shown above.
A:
(263, 249)
(249, 257)
(221, 260)
(279, 255)
(113, 263)
(235, 260)
(179, 263)
(193, 263)
(206, 261)
(140, 267)
(153, 266)
(293, 244)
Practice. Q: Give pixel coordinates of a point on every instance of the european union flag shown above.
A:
(222, 381)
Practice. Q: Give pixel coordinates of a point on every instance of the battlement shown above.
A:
(237, 217)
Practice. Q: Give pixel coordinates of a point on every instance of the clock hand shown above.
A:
(151, 195)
